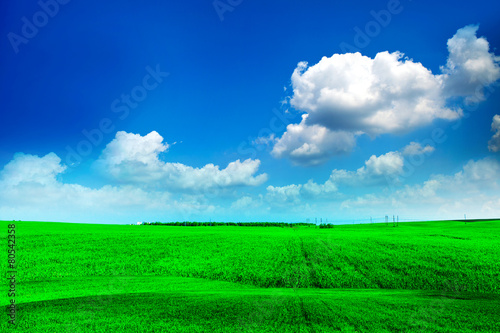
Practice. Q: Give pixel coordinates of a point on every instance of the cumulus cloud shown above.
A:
(472, 189)
(295, 193)
(134, 147)
(243, 203)
(387, 94)
(315, 190)
(485, 172)
(134, 159)
(24, 168)
(470, 65)
(347, 95)
(312, 145)
(142, 185)
(265, 140)
(494, 143)
(30, 190)
(284, 194)
(415, 148)
(378, 170)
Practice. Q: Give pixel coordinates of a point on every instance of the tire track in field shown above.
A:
(360, 268)
(310, 269)
(304, 313)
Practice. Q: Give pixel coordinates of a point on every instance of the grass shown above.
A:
(426, 276)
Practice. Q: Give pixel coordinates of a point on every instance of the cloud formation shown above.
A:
(142, 185)
(312, 144)
(470, 65)
(415, 148)
(352, 92)
(30, 190)
(472, 189)
(134, 159)
(25, 168)
(377, 170)
(347, 95)
(494, 143)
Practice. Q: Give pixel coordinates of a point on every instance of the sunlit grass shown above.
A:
(199, 279)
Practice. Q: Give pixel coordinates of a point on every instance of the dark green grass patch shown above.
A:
(262, 310)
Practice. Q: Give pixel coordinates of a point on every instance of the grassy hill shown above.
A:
(426, 276)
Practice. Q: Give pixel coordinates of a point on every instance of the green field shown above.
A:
(417, 277)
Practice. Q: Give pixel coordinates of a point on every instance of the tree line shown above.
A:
(235, 224)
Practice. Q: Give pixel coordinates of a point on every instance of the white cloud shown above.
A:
(312, 145)
(31, 187)
(315, 190)
(134, 147)
(32, 169)
(473, 189)
(390, 163)
(245, 203)
(485, 172)
(347, 95)
(284, 194)
(415, 148)
(265, 140)
(134, 159)
(352, 92)
(470, 65)
(494, 143)
(377, 170)
(30, 190)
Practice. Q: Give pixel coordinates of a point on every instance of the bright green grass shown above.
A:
(261, 310)
(439, 276)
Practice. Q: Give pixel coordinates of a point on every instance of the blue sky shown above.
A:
(248, 110)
